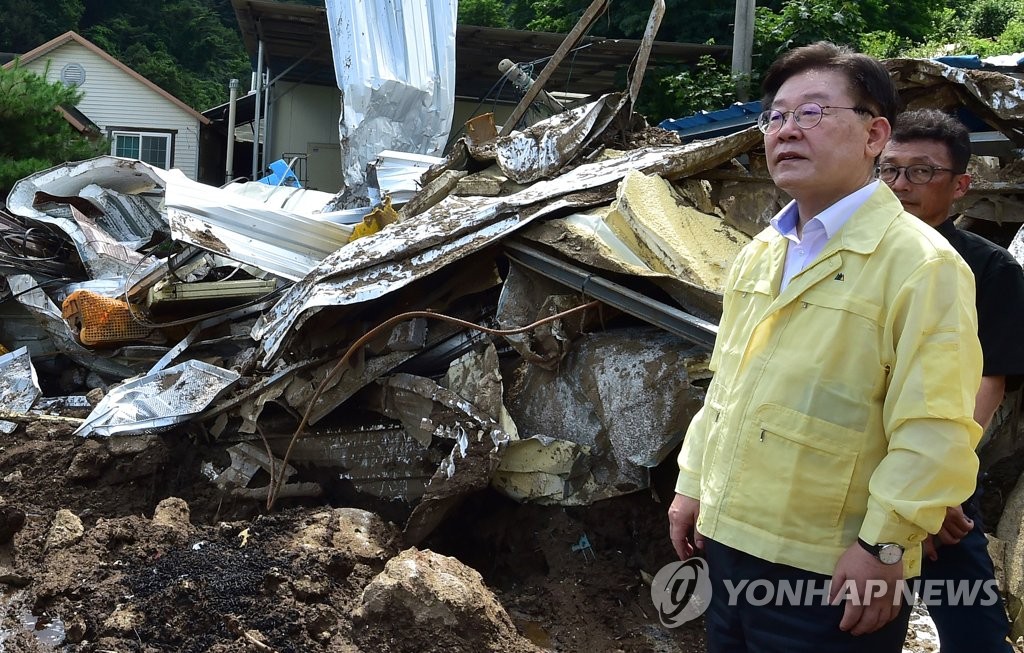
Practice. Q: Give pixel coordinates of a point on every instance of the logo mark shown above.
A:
(681, 591)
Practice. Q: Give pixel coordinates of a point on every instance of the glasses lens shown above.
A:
(888, 173)
(769, 121)
(807, 115)
(920, 174)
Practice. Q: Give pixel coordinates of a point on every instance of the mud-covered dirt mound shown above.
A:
(124, 545)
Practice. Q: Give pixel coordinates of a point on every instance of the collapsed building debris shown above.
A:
(452, 346)
(316, 292)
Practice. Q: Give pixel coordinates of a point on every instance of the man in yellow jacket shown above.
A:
(838, 425)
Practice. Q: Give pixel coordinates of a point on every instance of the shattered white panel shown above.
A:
(130, 219)
(398, 173)
(395, 64)
(19, 385)
(108, 257)
(280, 242)
(69, 180)
(304, 201)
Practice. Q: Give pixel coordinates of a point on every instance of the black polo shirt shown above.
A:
(999, 280)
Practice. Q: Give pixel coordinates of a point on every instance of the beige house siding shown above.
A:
(115, 100)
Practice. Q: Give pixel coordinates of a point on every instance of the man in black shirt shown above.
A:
(925, 164)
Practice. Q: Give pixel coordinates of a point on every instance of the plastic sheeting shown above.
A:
(395, 63)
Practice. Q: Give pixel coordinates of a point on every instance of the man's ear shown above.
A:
(878, 135)
(963, 182)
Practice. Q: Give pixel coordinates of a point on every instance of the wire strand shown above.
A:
(275, 487)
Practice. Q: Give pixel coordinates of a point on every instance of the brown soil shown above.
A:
(230, 578)
(223, 576)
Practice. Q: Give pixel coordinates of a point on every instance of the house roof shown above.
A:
(68, 37)
(78, 120)
(297, 42)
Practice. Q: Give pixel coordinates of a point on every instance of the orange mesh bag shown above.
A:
(102, 320)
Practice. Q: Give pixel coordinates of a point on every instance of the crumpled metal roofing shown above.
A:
(373, 266)
(996, 98)
(19, 385)
(287, 244)
(157, 401)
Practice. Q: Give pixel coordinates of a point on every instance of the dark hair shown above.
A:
(869, 81)
(935, 125)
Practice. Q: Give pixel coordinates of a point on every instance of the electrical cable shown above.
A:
(278, 479)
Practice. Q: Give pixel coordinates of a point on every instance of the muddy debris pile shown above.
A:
(232, 419)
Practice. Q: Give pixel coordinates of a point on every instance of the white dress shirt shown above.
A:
(802, 249)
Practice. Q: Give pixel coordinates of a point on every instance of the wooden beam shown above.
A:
(644, 55)
(596, 8)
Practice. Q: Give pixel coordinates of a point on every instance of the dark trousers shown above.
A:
(748, 626)
(969, 627)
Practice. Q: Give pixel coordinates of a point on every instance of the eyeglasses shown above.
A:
(806, 116)
(919, 173)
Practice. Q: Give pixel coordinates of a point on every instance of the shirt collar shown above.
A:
(831, 219)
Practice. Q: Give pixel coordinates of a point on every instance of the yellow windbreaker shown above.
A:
(844, 405)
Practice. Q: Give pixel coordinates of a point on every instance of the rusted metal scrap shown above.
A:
(995, 98)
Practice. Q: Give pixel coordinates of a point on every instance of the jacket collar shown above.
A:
(863, 231)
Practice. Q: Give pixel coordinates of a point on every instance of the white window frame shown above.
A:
(124, 132)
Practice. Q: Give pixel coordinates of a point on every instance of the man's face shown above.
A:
(820, 165)
(931, 202)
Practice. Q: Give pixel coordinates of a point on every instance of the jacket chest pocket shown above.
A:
(839, 338)
(795, 473)
(749, 299)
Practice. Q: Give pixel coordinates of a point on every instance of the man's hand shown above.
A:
(682, 526)
(874, 598)
(955, 527)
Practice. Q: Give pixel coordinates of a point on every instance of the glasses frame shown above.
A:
(764, 119)
(904, 170)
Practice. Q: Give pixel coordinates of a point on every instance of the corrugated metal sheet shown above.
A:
(395, 62)
(458, 226)
(282, 243)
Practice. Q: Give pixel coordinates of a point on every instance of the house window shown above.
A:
(154, 149)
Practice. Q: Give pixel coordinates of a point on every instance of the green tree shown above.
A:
(190, 48)
(907, 19)
(35, 135)
(805, 21)
(706, 86)
(685, 21)
(484, 13)
(988, 18)
(28, 23)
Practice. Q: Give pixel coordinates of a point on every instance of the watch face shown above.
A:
(890, 554)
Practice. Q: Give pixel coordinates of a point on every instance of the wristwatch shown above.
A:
(888, 553)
